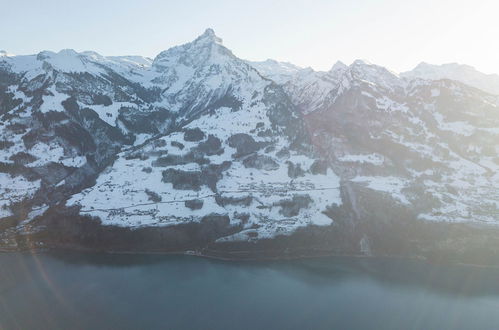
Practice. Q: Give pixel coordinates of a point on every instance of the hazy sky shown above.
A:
(394, 33)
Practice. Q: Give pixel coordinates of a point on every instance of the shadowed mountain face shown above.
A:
(200, 150)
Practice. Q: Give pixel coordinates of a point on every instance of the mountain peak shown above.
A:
(423, 64)
(209, 32)
(339, 65)
(445, 66)
(361, 62)
(4, 53)
(460, 72)
(209, 36)
(207, 47)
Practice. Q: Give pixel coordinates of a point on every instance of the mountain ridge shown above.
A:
(198, 148)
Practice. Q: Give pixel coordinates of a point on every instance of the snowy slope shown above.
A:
(237, 167)
(459, 72)
(261, 158)
(270, 148)
(438, 136)
(280, 72)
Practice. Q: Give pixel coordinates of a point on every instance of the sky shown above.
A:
(397, 34)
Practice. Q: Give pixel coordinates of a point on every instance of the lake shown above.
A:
(102, 291)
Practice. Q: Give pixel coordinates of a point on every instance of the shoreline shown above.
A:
(249, 258)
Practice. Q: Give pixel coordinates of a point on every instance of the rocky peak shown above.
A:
(209, 36)
(338, 66)
(205, 48)
(280, 72)
(375, 75)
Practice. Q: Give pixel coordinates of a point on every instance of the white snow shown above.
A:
(390, 184)
(458, 127)
(463, 73)
(54, 153)
(14, 189)
(53, 102)
(374, 159)
(109, 113)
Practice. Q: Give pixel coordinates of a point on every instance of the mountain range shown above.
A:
(198, 151)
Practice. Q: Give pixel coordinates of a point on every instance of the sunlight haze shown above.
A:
(228, 164)
(395, 34)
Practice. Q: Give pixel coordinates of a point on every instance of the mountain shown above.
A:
(422, 137)
(459, 72)
(280, 72)
(198, 150)
(195, 136)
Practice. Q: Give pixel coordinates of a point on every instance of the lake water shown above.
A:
(99, 291)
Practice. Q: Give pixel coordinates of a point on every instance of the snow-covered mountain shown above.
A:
(197, 149)
(406, 129)
(459, 72)
(280, 72)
